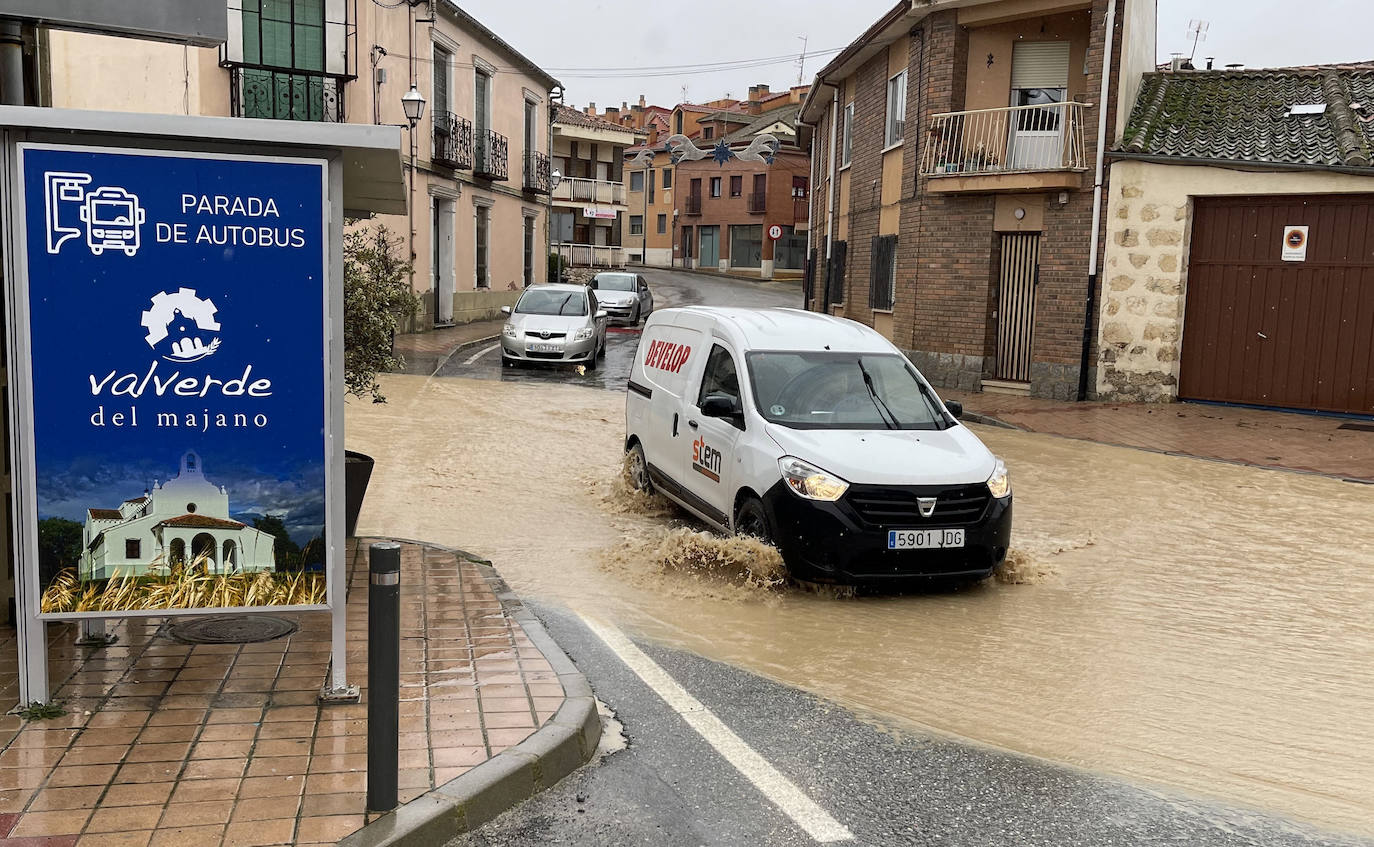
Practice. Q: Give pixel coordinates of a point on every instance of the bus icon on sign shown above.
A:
(112, 216)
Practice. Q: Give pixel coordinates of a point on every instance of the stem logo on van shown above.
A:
(706, 460)
(667, 356)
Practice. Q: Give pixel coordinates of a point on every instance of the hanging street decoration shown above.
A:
(762, 149)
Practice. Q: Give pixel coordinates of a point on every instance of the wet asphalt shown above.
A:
(670, 288)
(668, 788)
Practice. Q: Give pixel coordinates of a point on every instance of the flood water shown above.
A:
(1184, 623)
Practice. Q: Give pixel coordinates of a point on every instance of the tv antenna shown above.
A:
(1198, 30)
(801, 61)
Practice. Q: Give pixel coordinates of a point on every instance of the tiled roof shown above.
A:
(136, 500)
(572, 117)
(1243, 116)
(106, 514)
(201, 522)
(786, 114)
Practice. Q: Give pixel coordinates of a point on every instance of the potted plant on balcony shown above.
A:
(377, 298)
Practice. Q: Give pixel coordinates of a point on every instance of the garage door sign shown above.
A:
(1295, 244)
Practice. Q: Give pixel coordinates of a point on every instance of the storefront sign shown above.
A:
(177, 318)
(1295, 244)
(592, 212)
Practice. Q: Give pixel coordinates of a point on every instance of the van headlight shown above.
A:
(999, 484)
(509, 331)
(811, 482)
(584, 333)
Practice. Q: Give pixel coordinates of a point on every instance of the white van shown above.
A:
(816, 434)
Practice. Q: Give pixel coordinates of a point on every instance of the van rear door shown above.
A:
(666, 354)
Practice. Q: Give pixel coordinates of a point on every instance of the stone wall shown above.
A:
(1144, 275)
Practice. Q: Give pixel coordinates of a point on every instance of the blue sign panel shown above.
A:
(177, 309)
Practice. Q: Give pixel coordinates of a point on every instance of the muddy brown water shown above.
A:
(1178, 622)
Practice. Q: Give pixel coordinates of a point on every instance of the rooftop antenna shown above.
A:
(1198, 30)
(801, 61)
(684, 93)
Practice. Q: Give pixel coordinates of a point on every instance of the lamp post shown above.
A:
(555, 177)
(413, 103)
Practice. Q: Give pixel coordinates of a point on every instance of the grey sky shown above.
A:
(618, 34)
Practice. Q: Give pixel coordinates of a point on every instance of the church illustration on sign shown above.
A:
(181, 520)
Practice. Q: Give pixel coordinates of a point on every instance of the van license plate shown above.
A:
(924, 539)
(537, 347)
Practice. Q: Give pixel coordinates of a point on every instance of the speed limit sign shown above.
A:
(775, 232)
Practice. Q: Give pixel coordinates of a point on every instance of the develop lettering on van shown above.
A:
(667, 356)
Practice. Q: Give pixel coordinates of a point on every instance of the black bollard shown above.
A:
(383, 675)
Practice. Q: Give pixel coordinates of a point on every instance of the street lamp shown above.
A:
(555, 177)
(645, 159)
(414, 104)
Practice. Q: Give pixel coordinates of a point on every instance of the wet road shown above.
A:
(669, 288)
(1186, 624)
(670, 788)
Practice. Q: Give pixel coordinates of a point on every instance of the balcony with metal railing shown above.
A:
(590, 255)
(452, 141)
(538, 174)
(577, 190)
(758, 202)
(285, 94)
(490, 159)
(691, 205)
(1015, 148)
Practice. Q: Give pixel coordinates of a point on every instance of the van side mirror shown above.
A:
(721, 406)
(592, 285)
(955, 408)
(505, 310)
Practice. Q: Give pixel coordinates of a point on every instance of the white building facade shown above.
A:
(182, 520)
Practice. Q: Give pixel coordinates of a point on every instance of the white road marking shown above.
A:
(781, 791)
(479, 354)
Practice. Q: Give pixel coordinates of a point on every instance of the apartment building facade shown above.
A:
(955, 146)
(479, 154)
(746, 215)
(590, 200)
(650, 228)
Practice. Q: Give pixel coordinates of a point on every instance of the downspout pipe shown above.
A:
(1108, 50)
(830, 194)
(11, 62)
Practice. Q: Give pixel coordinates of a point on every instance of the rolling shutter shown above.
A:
(1040, 64)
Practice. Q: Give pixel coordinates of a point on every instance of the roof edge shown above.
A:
(1236, 164)
(462, 17)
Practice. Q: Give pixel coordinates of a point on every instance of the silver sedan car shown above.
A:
(624, 296)
(554, 323)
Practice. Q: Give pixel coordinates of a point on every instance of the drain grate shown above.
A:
(1358, 427)
(232, 629)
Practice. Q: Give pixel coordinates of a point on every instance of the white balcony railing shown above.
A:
(579, 190)
(590, 255)
(1015, 139)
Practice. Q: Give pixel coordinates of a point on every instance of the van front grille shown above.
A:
(891, 506)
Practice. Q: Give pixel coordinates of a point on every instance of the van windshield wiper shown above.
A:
(889, 419)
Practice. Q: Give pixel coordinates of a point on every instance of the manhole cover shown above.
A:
(238, 629)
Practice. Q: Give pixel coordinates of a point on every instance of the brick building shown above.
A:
(955, 146)
(725, 211)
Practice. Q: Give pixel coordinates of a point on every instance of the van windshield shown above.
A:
(823, 390)
(551, 301)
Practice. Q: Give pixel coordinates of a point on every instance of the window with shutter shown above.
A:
(1040, 64)
(882, 276)
(834, 276)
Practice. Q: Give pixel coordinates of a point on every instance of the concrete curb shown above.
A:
(559, 747)
(466, 345)
(988, 420)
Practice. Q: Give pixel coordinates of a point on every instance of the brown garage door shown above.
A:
(1261, 330)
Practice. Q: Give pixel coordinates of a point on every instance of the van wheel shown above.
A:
(639, 470)
(752, 520)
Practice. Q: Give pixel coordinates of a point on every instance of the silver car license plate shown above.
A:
(543, 347)
(924, 539)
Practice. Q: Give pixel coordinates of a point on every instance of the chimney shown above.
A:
(1176, 62)
(624, 107)
(641, 102)
(1211, 60)
(613, 113)
(591, 109)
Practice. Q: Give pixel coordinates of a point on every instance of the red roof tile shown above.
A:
(106, 514)
(202, 522)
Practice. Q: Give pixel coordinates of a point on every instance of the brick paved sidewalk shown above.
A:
(1290, 441)
(424, 352)
(167, 743)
